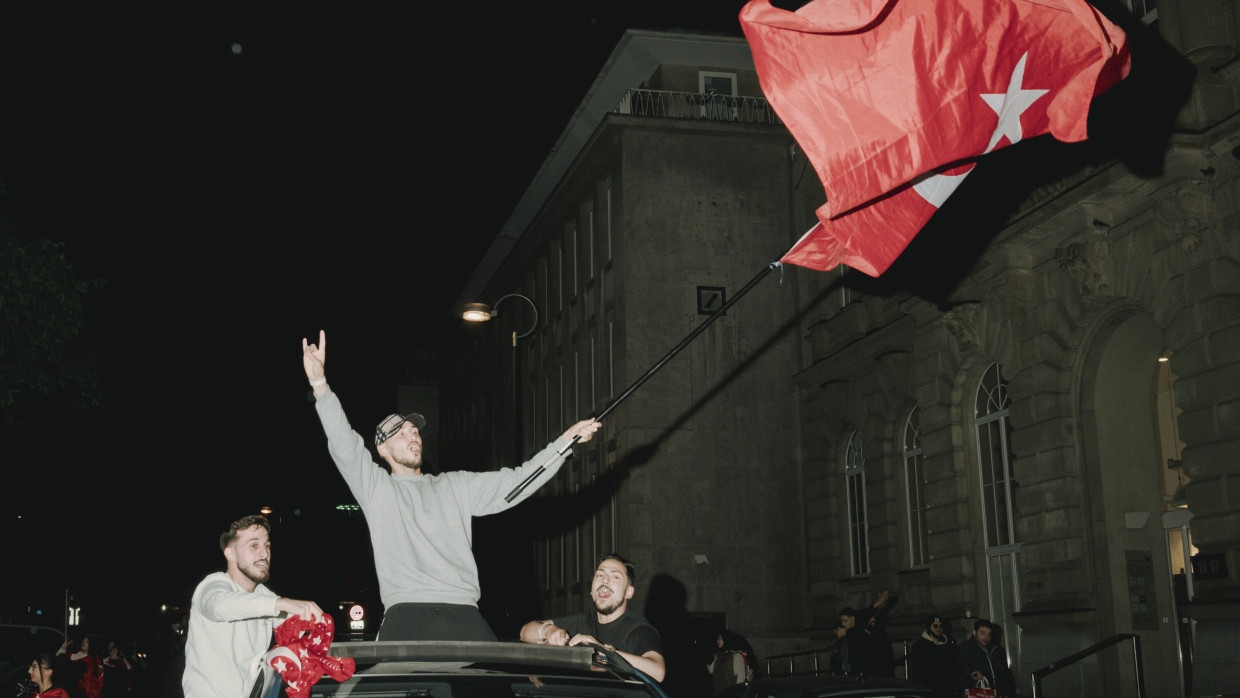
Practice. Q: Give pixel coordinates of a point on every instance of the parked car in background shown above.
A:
(18, 645)
(391, 668)
(828, 686)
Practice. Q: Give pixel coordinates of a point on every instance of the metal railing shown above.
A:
(695, 105)
(1139, 673)
(776, 662)
(815, 666)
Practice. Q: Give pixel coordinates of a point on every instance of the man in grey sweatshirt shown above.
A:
(421, 524)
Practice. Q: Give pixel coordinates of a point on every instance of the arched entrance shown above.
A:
(1123, 446)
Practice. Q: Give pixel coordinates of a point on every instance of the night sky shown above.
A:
(231, 177)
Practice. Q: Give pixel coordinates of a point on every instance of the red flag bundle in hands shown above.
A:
(300, 655)
(891, 99)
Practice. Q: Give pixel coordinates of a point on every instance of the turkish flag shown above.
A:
(891, 100)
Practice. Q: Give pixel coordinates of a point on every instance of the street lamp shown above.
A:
(481, 312)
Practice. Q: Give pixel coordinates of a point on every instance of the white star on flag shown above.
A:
(935, 188)
(1010, 105)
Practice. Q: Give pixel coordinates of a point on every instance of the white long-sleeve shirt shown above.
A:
(230, 629)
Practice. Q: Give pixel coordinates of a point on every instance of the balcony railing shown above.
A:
(695, 105)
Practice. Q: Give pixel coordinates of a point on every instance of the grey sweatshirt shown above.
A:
(421, 525)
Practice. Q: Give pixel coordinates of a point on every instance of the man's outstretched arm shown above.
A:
(314, 361)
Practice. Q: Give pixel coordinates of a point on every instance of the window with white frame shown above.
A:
(994, 457)
(718, 95)
(914, 488)
(854, 477)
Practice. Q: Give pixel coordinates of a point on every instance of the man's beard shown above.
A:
(413, 462)
(255, 575)
(601, 607)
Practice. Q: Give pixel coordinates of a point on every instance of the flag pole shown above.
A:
(659, 364)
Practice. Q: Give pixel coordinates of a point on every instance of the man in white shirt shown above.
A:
(233, 615)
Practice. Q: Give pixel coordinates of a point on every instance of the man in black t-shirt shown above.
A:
(628, 633)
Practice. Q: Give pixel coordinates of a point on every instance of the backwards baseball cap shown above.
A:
(392, 424)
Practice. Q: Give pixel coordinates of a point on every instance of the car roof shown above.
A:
(21, 642)
(824, 685)
(489, 668)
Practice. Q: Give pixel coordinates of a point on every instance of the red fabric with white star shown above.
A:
(882, 94)
(300, 655)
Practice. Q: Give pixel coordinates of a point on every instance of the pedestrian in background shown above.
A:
(932, 659)
(117, 671)
(88, 664)
(733, 661)
(982, 664)
(50, 676)
(865, 655)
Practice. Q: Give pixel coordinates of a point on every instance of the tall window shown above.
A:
(914, 488)
(854, 476)
(994, 459)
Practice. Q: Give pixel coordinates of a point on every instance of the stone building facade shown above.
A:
(1032, 418)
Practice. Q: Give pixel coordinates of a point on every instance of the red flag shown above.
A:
(890, 99)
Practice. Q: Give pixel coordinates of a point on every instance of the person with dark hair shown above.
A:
(733, 661)
(864, 636)
(882, 656)
(932, 658)
(232, 616)
(117, 671)
(50, 676)
(841, 662)
(610, 624)
(88, 664)
(982, 662)
(421, 525)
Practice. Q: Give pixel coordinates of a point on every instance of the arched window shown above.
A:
(994, 457)
(914, 489)
(994, 460)
(854, 476)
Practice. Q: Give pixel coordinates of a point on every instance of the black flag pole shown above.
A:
(658, 365)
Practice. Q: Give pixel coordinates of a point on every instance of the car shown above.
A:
(18, 645)
(505, 668)
(829, 686)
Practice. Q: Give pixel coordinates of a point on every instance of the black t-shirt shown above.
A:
(628, 633)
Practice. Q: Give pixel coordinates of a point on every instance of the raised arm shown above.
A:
(314, 361)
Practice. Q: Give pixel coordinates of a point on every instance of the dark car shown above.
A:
(388, 668)
(18, 645)
(829, 686)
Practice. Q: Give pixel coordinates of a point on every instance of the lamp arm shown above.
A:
(533, 308)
